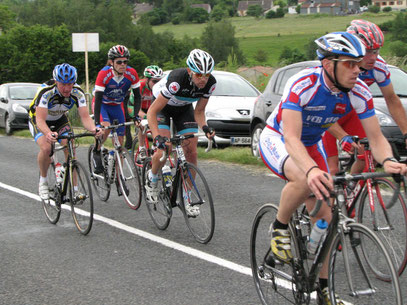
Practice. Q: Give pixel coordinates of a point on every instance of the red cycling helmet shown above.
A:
(118, 51)
(370, 33)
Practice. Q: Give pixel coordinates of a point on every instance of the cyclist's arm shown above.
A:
(337, 131)
(152, 112)
(41, 117)
(316, 178)
(395, 107)
(137, 100)
(381, 149)
(199, 112)
(98, 105)
(86, 119)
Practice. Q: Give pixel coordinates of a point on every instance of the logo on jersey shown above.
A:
(173, 87)
(212, 88)
(340, 108)
(315, 108)
(362, 91)
(299, 86)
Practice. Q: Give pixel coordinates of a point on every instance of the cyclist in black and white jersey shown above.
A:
(174, 97)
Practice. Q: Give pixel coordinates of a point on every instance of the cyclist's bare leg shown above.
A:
(190, 150)
(156, 163)
(43, 157)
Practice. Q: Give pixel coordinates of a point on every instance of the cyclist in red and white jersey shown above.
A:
(374, 69)
(112, 84)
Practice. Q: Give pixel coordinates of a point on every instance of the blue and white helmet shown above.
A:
(340, 43)
(65, 73)
(200, 62)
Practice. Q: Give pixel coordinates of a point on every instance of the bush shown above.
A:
(398, 48)
(387, 9)
(289, 56)
(270, 14)
(254, 10)
(374, 9)
(261, 55)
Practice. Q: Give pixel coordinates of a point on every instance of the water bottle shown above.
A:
(317, 232)
(167, 176)
(110, 160)
(59, 173)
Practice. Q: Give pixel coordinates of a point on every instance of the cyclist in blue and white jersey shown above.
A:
(48, 116)
(291, 144)
(174, 97)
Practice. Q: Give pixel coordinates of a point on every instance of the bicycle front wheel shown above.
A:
(81, 198)
(52, 207)
(129, 179)
(273, 279)
(194, 190)
(99, 181)
(389, 224)
(160, 211)
(350, 276)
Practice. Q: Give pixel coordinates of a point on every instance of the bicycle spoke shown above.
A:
(100, 182)
(129, 180)
(52, 207)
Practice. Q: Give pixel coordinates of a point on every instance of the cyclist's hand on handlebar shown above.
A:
(51, 137)
(320, 183)
(136, 120)
(392, 166)
(159, 142)
(98, 131)
(348, 144)
(209, 131)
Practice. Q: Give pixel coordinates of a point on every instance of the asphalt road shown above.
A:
(125, 259)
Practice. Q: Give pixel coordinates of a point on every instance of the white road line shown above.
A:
(165, 242)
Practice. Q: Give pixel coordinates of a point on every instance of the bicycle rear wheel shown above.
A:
(273, 280)
(52, 207)
(389, 224)
(99, 181)
(80, 197)
(161, 211)
(194, 190)
(129, 179)
(352, 279)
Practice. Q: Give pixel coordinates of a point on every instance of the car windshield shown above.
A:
(230, 85)
(399, 81)
(23, 92)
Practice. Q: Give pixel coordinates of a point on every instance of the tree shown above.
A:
(365, 2)
(254, 10)
(6, 18)
(398, 48)
(219, 40)
(374, 9)
(218, 13)
(260, 55)
(399, 27)
(197, 15)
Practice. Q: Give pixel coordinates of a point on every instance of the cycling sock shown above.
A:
(43, 179)
(153, 178)
(323, 283)
(279, 225)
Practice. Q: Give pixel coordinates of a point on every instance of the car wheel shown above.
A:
(256, 138)
(7, 124)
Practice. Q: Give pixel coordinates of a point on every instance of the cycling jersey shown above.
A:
(307, 92)
(114, 88)
(180, 90)
(49, 97)
(380, 74)
(146, 95)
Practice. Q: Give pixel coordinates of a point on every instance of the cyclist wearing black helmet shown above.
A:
(48, 110)
(112, 84)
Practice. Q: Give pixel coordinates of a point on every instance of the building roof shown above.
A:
(265, 4)
(205, 6)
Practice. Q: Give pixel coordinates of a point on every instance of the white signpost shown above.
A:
(85, 42)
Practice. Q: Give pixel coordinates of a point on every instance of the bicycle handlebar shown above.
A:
(342, 178)
(179, 138)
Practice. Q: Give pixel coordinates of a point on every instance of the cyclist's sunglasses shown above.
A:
(199, 75)
(349, 63)
(120, 62)
(154, 81)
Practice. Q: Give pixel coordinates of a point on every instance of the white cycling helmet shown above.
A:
(200, 61)
(340, 43)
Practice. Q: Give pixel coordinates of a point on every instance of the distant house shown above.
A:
(332, 7)
(205, 6)
(141, 8)
(243, 6)
(395, 5)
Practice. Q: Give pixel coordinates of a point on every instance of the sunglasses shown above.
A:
(349, 63)
(154, 81)
(373, 51)
(120, 62)
(200, 75)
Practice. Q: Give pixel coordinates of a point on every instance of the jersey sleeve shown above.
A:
(362, 100)
(381, 73)
(135, 81)
(100, 83)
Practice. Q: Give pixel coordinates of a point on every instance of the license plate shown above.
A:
(240, 140)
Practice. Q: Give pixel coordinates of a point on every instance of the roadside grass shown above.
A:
(232, 154)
